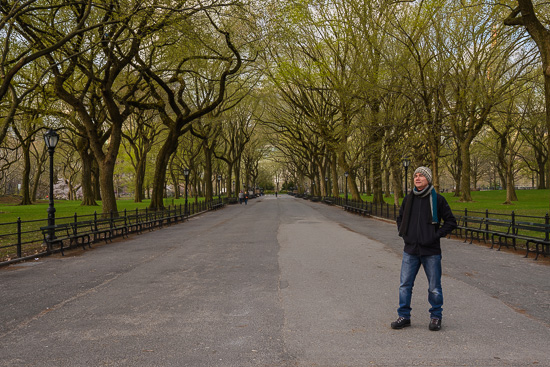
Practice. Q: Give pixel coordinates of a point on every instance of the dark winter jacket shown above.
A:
(422, 237)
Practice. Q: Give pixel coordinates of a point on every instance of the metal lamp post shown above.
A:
(186, 174)
(406, 163)
(346, 175)
(51, 138)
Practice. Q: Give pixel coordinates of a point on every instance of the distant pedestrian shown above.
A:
(419, 224)
(241, 197)
(275, 193)
(246, 198)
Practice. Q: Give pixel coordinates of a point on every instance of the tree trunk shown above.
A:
(139, 179)
(541, 174)
(465, 194)
(368, 181)
(71, 190)
(541, 36)
(95, 181)
(510, 189)
(229, 181)
(39, 170)
(377, 194)
(387, 183)
(208, 189)
(36, 182)
(163, 158)
(175, 180)
(397, 183)
(351, 184)
(334, 172)
(88, 196)
(434, 152)
(106, 182)
(25, 186)
(237, 169)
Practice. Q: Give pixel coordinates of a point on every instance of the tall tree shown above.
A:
(140, 133)
(525, 14)
(29, 32)
(198, 76)
(100, 92)
(422, 69)
(482, 75)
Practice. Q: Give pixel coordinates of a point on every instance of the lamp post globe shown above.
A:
(51, 138)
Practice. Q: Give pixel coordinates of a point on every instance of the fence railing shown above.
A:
(21, 240)
(382, 210)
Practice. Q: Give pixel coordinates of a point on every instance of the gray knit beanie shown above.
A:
(426, 172)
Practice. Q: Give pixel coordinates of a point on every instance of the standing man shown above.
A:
(419, 224)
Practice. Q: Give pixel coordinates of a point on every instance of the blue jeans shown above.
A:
(409, 269)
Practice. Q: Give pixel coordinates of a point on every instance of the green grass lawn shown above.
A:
(530, 202)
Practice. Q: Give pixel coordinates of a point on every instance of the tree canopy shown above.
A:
(248, 94)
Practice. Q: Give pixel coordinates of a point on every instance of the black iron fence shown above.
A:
(382, 210)
(23, 240)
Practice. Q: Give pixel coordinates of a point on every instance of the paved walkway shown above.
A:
(279, 282)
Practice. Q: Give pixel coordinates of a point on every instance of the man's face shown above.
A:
(420, 182)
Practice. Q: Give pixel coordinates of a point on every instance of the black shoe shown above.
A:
(401, 323)
(435, 324)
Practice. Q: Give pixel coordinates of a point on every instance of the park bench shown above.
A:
(460, 226)
(499, 230)
(363, 211)
(506, 232)
(150, 221)
(95, 229)
(175, 217)
(356, 208)
(104, 229)
(133, 223)
(118, 226)
(328, 201)
(528, 231)
(65, 232)
(475, 226)
(216, 206)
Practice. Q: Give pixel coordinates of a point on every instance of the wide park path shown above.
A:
(278, 282)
